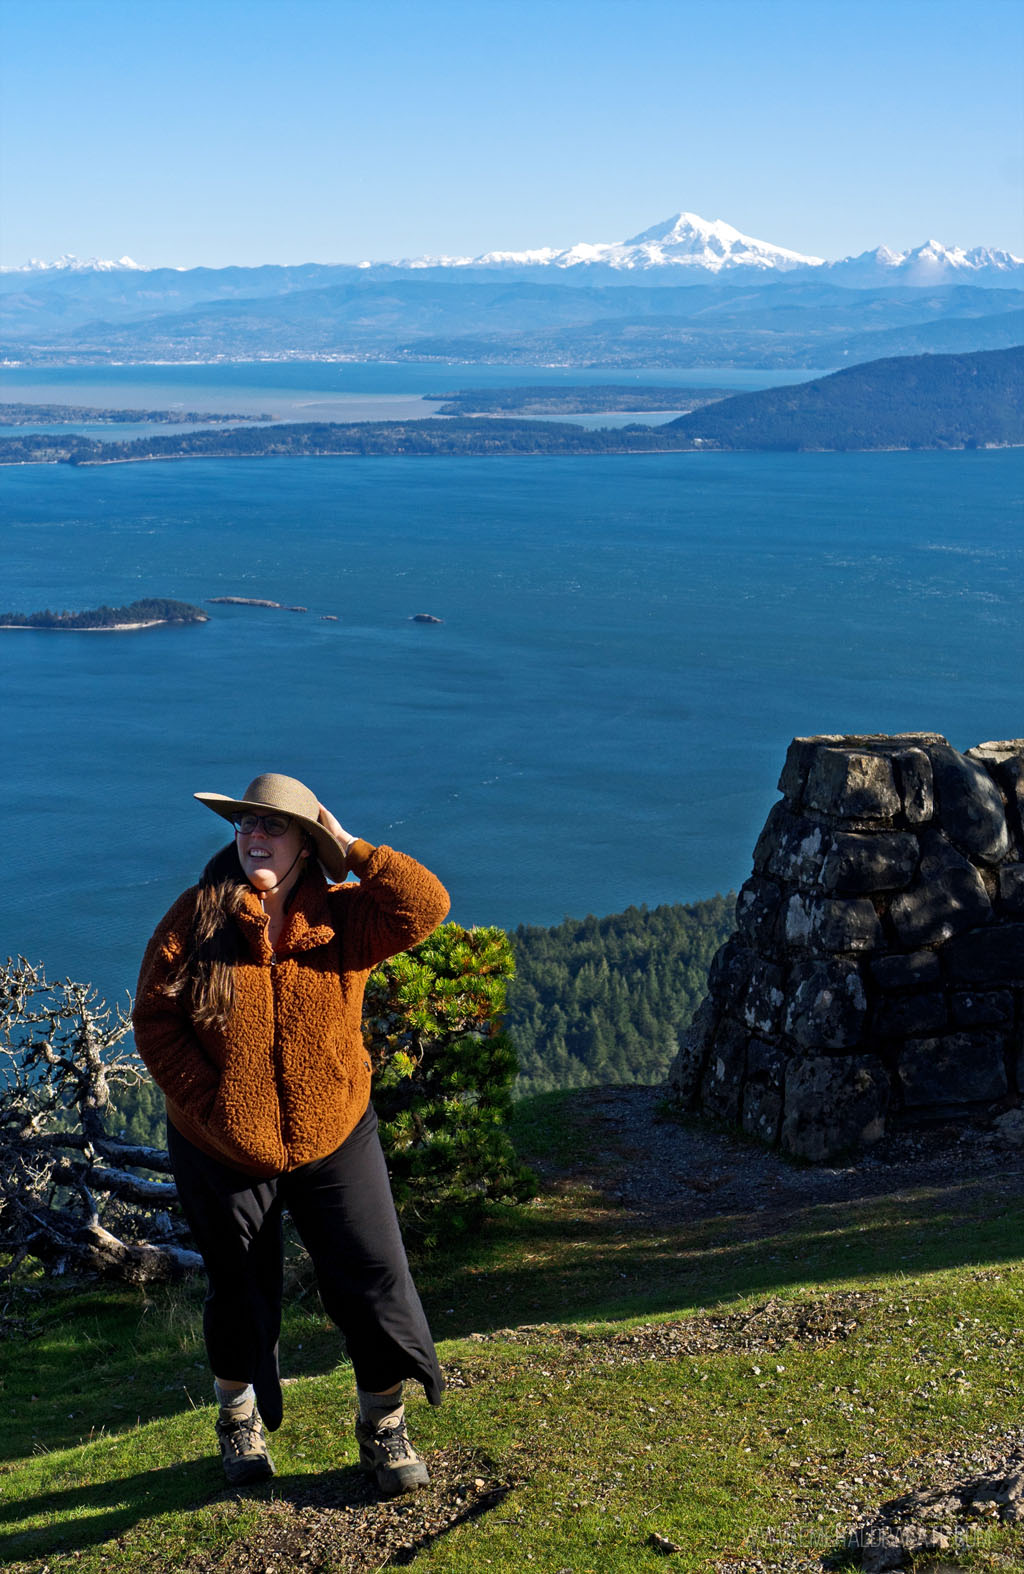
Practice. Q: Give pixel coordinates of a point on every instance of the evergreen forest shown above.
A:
(600, 1000)
(480, 435)
(911, 401)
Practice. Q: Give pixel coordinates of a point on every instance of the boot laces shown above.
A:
(394, 1440)
(244, 1436)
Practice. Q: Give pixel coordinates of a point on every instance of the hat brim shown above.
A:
(329, 851)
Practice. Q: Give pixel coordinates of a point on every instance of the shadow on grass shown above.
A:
(567, 1257)
(533, 1265)
(549, 1263)
(89, 1516)
(102, 1511)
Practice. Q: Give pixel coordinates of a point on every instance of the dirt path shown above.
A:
(660, 1168)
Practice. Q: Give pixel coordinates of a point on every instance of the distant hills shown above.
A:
(686, 292)
(922, 401)
(927, 401)
(780, 323)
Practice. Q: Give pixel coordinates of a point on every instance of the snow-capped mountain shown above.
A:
(72, 264)
(682, 249)
(930, 264)
(683, 241)
(686, 246)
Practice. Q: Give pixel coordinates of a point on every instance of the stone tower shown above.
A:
(876, 973)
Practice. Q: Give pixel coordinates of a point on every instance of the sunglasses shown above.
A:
(271, 824)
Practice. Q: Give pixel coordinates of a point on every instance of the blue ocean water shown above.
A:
(628, 645)
(311, 390)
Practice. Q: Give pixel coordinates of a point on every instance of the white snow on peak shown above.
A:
(684, 240)
(934, 261)
(489, 259)
(711, 246)
(69, 263)
(991, 257)
(713, 243)
(884, 256)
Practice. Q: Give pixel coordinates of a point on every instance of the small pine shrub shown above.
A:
(443, 1074)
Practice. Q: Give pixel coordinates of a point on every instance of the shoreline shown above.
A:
(95, 628)
(587, 453)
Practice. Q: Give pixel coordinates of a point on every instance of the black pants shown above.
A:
(343, 1210)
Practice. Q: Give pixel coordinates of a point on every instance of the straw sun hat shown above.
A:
(271, 794)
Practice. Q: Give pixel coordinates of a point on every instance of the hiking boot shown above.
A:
(386, 1452)
(243, 1450)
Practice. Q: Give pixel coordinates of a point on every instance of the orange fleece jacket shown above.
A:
(290, 1078)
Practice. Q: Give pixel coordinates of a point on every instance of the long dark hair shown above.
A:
(205, 977)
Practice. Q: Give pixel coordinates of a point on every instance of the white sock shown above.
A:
(236, 1404)
(376, 1408)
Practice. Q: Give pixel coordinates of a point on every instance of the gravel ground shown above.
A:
(964, 1492)
(768, 1327)
(655, 1166)
(340, 1522)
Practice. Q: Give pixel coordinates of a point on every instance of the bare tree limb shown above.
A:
(68, 1197)
(118, 1183)
(131, 1153)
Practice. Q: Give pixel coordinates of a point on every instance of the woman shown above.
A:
(248, 1017)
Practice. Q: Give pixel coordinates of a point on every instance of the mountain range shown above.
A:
(686, 292)
(686, 241)
(683, 242)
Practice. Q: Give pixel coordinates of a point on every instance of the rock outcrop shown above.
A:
(876, 973)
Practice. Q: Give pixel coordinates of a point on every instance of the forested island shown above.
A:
(910, 402)
(475, 435)
(146, 613)
(573, 400)
(58, 414)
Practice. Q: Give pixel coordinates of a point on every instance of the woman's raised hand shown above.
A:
(339, 833)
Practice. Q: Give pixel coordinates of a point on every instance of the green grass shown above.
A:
(105, 1459)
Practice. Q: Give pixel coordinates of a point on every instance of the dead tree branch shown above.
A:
(68, 1197)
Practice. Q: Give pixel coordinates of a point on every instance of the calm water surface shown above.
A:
(628, 645)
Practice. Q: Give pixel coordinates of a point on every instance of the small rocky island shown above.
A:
(147, 613)
(243, 601)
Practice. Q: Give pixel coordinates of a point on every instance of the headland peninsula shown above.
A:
(57, 414)
(574, 400)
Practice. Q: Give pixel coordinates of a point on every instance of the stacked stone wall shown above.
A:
(876, 973)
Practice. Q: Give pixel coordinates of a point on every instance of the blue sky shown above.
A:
(191, 132)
